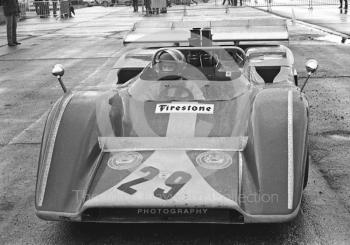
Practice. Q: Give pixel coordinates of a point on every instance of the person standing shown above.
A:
(148, 7)
(36, 4)
(230, 2)
(345, 4)
(11, 11)
(70, 9)
(135, 4)
(54, 7)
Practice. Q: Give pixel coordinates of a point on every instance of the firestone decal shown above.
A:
(185, 108)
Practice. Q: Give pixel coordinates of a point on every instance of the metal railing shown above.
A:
(264, 3)
(55, 8)
(44, 8)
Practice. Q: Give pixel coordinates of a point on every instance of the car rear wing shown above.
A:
(115, 144)
(258, 29)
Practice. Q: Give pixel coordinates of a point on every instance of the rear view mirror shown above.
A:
(311, 66)
(58, 70)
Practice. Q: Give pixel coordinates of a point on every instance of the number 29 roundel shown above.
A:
(175, 182)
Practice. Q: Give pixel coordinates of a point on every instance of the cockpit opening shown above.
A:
(213, 64)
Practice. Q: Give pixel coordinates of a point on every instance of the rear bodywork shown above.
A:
(129, 155)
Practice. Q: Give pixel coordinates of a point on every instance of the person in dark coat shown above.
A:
(230, 2)
(345, 4)
(135, 4)
(36, 4)
(11, 11)
(71, 10)
(148, 7)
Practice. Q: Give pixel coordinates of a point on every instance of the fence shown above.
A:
(264, 3)
(43, 8)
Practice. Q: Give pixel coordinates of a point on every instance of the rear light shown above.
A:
(214, 160)
(125, 160)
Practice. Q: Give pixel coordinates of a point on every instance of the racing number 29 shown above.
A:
(175, 181)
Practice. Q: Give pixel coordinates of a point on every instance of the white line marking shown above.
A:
(19, 138)
(4, 90)
(290, 151)
(47, 159)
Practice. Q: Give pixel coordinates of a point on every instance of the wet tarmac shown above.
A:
(88, 46)
(327, 17)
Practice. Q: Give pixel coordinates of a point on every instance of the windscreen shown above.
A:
(191, 74)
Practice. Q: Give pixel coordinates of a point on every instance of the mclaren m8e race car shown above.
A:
(202, 128)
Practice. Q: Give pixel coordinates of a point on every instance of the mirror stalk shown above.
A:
(307, 79)
(62, 84)
(58, 72)
(311, 67)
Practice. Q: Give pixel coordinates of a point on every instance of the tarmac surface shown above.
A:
(328, 17)
(88, 45)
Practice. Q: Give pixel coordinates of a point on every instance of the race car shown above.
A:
(194, 131)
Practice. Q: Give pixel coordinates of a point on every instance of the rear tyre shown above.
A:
(306, 175)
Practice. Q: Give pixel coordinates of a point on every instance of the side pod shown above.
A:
(68, 153)
(276, 151)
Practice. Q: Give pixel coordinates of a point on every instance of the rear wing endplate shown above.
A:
(258, 29)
